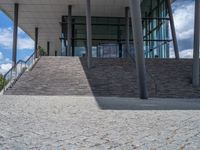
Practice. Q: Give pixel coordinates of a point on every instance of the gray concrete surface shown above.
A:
(84, 123)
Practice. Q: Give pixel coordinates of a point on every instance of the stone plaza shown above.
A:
(73, 123)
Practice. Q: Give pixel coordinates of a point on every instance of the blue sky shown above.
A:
(25, 43)
(184, 22)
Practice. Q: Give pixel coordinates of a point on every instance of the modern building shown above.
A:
(100, 28)
(109, 33)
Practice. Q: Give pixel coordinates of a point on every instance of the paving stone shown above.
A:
(73, 123)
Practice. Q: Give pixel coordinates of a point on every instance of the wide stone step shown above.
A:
(70, 76)
(108, 77)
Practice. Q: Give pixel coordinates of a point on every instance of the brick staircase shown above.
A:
(173, 78)
(108, 77)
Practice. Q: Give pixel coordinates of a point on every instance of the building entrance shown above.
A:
(108, 51)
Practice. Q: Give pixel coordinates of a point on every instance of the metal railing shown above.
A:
(10, 78)
(149, 49)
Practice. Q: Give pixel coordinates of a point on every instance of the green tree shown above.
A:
(2, 82)
(42, 51)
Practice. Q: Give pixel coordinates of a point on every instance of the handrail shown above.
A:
(30, 57)
(154, 48)
(13, 74)
(20, 61)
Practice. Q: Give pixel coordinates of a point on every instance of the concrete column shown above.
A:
(176, 51)
(127, 31)
(136, 19)
(15, 32)
(36, 42)
(48, 48)
(195, 79)
(69, 31)
(120, 50)
(89, 32)
(73, 48)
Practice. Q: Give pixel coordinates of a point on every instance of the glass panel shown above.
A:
(111, 31)
(155, 26)
(79, 51)
(108, 51)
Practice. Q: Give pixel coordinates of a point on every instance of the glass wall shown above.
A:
(108, 34)
(155, 28)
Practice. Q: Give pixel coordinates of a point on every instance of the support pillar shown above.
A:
(195, 78)
(36, 42)
(73, 44)
(136, 19)
(15, 32)
(69, 31)
(171, 18)
(120, 50)
(127, 32)
(89, 32)
(48, 48)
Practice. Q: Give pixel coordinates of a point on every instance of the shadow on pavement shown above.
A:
(151, 104)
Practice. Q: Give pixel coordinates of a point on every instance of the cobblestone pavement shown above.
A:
(73, 123)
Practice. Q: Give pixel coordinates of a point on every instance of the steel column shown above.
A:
(69, 31)
(136, 19)
(15, 32)
(73, 44)
(171, 18)
(48, 48)
(127, 31)
(36, 42)
(120, 50)
(89, 32)
(195, 79)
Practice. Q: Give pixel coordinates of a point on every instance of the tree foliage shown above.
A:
(42, 51)
(2, 82)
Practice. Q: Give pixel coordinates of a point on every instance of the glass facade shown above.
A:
(155, 28)
(108, 34)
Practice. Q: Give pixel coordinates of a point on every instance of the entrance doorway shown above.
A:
(108, 50)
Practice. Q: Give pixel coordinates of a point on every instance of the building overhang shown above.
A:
(46, 15)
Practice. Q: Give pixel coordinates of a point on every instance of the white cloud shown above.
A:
(184, 19)
(5, 67)
(186, 53)
(6, 36)
(5, 64)
(184, 23)
(184, 35)
(171, 52)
